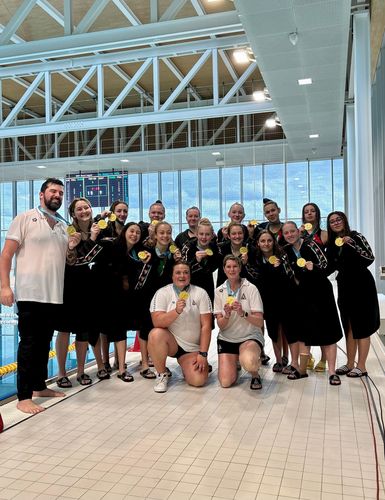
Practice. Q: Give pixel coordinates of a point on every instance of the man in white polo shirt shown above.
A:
(39, 240)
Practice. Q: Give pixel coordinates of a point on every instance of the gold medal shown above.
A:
(209, 252)
(102, 224)
(253, 222)
(142, 255)
(112, 217)
(183, 295)
(308, 226)
(272, 259)
(339, 242)
(230, 300)
(154, 222)
(71, 230)
(243, 250)
(173, 248)
(301, 262)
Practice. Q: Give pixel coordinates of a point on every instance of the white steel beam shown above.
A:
(127, 89)
(92, 14)
(182, 85)
(127, 12)
(215, 76)
(173, 9)
(24, 149)
(68, 24)
(137, 87)
(48, 96)
(121, 120)
(219, 131)
(153, 11)
(116, 39)
(51, 11)
(237, 85)
(100, 76)
(19, 105)
(176, 134)
(16, 20)
(156, 83)
(171, 50)
(70, 99)
(132, 140)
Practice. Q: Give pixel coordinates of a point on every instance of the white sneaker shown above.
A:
(161, 382)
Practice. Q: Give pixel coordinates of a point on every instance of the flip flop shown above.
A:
(334, 380)
(256, 383)
(296, 375)
(64, 382)
(147, 373)
(84, 379)
(343, 370)
(125, 376)
(356, 373)
(277, 368)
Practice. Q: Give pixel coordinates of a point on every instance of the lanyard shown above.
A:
(132, 253)
(178, 290)
(57, 217)
(230, 293)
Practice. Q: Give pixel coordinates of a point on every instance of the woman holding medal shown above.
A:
(275, 284)
(202, 255)
(181, 314)
(319, 324)
(235, 245)
(350, 254)
(239, 313)
(82, 270)
(311, 229)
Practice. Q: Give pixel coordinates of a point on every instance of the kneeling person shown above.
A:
(181, 314)
(239, 312)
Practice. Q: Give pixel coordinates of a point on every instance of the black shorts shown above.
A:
(179, 353)
(224, 347)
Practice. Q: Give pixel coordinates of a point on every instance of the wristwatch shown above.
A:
(203, 354)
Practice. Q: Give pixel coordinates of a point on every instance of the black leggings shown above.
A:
(36, 327)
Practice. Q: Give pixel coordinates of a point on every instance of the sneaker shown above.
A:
(161, 382)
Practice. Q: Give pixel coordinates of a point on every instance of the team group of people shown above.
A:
(98, 276)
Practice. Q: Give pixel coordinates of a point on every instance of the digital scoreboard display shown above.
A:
(101, 188)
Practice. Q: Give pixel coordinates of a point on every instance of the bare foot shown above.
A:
(28, 406)
(48, 393)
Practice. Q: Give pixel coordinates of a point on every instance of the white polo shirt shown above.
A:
(40, 258)
(239, 329)
(187, 327)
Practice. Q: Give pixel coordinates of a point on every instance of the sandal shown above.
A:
(287, 370)
(334, 380)
(64, 382)
(310, 363)
(147, 373)
(343, 370)
(108, 367)
(84, 379)
(285, 361)
(277, 368)
(103, 374)
(320, 366)
(356, 373)
(296, 375)
(256, 383)
(265, 359)
(126, 376)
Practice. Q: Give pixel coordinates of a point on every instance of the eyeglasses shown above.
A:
(336, 221)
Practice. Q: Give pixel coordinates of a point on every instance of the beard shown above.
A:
(52, 204)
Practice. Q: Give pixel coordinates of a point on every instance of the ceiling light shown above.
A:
(305, 81)
(293, 38)
(216, 153)
(40, 166)
(271, 123)
(125, 161)
(313, 136)
(241, 56)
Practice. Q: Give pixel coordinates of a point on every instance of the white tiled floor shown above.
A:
(301, 439)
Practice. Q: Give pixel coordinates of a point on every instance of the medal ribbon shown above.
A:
(57, 217)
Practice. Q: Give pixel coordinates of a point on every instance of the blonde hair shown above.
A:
(204, 221)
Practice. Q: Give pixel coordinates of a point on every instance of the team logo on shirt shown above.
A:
(194, 303)
(243, 296)
(34, 219)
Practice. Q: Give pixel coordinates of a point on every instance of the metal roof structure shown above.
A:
(84, 83)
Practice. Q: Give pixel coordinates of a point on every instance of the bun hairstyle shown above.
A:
(267, 201)
(204, 221)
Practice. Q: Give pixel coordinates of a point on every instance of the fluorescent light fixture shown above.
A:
(313, 136)
(259, 95)
(216, 153)
(271, 123)
(305, 81)
(41, 166)
(125, 161)
(241, 56)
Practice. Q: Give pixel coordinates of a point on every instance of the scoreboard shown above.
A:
(101, 188)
